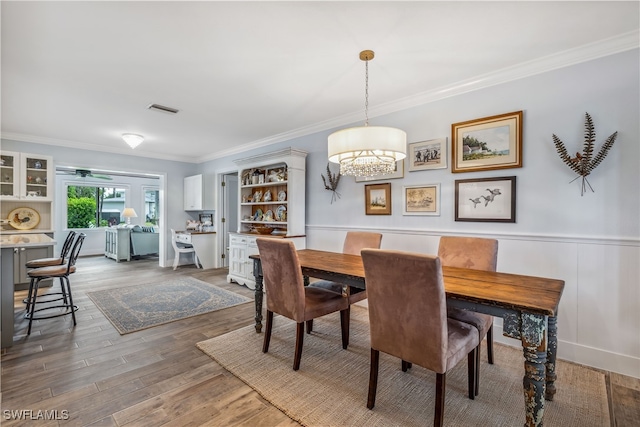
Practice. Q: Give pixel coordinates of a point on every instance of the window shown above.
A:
(92, 207)
(151, 204)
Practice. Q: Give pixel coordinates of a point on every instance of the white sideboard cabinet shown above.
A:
(271, 197)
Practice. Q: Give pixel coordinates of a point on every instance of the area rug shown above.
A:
(138, 307)
(330, 389)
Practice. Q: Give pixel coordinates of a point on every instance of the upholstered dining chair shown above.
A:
(408, 319)
(47, 262)
(354, 242)
(181, 248)
(287, 295)
(62, 272)
(477, 254)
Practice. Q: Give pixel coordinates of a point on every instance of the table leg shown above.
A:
(257, 273)
(535, 354)
(552, 351)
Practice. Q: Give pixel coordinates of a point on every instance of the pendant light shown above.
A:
(367, 150)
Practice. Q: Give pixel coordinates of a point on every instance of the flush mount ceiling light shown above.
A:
(367, 150)
(132, 139)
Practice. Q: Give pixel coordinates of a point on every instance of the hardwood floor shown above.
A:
(90, 375)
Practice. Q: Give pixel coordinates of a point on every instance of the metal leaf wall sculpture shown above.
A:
(583, 164)
(334, 180)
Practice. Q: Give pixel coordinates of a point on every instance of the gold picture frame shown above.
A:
(489, 143)
(377, 199)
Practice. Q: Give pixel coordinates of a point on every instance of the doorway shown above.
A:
(229, 220)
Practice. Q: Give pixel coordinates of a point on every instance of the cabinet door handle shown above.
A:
(15, 250)
(21, 249)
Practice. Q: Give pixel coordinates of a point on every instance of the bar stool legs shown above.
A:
(65, 296)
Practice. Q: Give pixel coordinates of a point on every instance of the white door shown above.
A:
(229, 211)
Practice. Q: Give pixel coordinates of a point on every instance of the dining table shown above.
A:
(528, 306)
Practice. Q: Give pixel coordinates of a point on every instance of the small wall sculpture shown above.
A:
(334, 180)
(584, 163)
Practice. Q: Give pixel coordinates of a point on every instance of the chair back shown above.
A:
(283, 282)
(73, 256)
(355, 241)
(469, 252)
(407, 306)
(68, 243)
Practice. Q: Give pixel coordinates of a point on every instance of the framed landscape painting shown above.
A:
(425, 155)
(377, 199)
(421, 199)
(486, 199)
(486, 144)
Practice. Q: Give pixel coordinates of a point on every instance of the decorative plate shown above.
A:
(267, 196)
(24, 218)
(268, 216)
(258, 215)
(281, 213)
(257, 196)
(282, 196)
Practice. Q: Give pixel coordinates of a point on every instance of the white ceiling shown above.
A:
(245, 74)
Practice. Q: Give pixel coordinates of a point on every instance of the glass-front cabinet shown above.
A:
(10, 178)
(26, 176)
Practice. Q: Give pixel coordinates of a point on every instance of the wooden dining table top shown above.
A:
(521, 293)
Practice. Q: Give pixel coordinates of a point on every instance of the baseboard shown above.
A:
(584, 355)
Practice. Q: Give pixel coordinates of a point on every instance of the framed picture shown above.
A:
(399, 173)
(206, 219)
(486, 199)
(485, 144)
(425, 155)
(421, 199)
(377, 199)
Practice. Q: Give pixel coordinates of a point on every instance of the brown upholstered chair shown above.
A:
(478, 254)
(354, 242)
(51, 272)
(287, 295)
(408, 319)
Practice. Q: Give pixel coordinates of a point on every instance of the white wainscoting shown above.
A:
(599, 313)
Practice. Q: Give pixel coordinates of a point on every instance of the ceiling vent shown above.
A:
(162, 108)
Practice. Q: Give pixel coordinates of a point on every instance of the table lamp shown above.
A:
(129, 213)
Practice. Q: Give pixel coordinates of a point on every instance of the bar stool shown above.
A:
(47, 262)
(51, 272)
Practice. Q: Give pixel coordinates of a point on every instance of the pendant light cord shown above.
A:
(366, 93)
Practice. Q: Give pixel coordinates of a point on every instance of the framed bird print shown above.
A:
(486, 199)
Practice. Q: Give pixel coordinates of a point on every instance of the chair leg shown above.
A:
(490, 345)
(267, 332)
(472, 369)
(195, 260)
(438, 418)
(373, 378)
(30, 294)
(406, 365)
(32, 304)
(299, 340)
(68, 292)
(309, 326)
(477, 386)
(345, 316)
(176, 260)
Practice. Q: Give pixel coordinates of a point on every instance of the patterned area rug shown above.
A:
(139, 307)
(330, 389)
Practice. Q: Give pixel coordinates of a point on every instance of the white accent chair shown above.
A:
(181, 248)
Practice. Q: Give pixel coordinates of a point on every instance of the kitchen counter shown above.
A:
(23, 240)
(8, 245)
